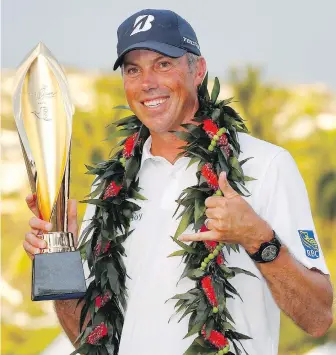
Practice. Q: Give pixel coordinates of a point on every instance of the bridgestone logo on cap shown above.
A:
(193, 43)
(142, 24)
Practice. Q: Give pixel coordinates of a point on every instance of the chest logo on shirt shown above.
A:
(309, 243)
(136, 216)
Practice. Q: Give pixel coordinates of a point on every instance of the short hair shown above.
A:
(192, 60)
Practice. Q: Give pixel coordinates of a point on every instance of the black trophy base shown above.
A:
(58, 276)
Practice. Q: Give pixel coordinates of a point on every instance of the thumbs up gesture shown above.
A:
(232, 220)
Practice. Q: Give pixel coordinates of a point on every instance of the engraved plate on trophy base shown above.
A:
(58, 276)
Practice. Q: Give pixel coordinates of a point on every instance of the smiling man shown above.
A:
(162, 68)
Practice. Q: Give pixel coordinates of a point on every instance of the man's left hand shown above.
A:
(232, 220)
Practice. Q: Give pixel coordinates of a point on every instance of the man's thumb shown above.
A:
(224, 184)
(72, 218)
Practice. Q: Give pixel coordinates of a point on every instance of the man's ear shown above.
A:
(201, 69)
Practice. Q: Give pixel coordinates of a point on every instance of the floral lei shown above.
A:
(212, 143)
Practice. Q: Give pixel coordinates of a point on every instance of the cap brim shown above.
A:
(162, 48)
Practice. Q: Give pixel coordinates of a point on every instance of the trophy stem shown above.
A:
(59, 216)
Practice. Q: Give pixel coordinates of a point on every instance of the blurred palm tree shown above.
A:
(326, 195)
(259, 103)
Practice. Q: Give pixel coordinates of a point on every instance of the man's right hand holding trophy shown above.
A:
(33, 243)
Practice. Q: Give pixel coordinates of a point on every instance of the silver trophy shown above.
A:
(43, 114)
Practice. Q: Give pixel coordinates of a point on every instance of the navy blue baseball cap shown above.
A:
(161, 31)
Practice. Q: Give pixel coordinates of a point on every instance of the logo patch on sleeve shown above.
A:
(309, 243)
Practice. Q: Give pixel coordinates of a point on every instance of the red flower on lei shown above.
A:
(99, 332)
(210, 127)
(101, 301)
(210, 176)
(129, 145)
(211, 130)
(211, 246)
(220, 259)
(97, 248)
(112, 190)
(208, 289)
(215, 338)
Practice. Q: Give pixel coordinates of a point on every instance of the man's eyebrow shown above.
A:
(159, 57)
(162, 56)
(127, 62)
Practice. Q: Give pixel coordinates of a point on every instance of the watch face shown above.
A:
(269, 253)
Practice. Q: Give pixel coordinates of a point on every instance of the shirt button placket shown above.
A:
(170, 191)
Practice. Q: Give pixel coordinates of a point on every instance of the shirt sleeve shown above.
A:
(284, 204)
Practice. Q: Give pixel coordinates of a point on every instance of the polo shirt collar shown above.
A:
(146, 153)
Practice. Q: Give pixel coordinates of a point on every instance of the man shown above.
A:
(162, 68)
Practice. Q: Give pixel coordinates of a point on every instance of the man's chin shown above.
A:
(155, 124)
(159, 130)
(158, 124)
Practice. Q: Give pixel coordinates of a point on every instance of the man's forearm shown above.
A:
(68, 314)
(304, 295)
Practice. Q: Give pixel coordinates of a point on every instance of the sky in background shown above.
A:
(293, 41)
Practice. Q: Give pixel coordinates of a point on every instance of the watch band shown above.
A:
(275, 243)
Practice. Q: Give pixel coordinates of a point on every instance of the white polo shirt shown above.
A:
(278, 195)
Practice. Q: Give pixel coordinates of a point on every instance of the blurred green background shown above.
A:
(301, 118)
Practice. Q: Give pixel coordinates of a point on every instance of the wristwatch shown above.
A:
(268, 251)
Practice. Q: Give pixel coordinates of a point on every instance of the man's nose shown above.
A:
(149, 80)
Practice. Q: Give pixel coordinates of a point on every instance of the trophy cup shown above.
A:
(43, 114)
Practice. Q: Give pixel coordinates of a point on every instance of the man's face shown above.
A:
(160, 90)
